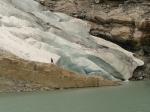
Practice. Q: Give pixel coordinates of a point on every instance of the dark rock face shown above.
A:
(144, 27)
(142, 72)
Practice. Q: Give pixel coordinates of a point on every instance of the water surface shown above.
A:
(132, 97)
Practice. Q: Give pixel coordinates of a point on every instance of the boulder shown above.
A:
(121, 33)
(144, 24)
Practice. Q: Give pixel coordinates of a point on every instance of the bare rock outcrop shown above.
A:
(112, 15)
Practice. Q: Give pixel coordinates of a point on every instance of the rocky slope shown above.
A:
(124, 22)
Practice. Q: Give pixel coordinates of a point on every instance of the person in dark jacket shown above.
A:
(52, 61)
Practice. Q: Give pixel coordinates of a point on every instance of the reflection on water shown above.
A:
(132, 97)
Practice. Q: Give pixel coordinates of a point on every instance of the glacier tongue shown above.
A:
(32, 33)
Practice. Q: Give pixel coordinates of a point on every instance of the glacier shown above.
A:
(30, 31)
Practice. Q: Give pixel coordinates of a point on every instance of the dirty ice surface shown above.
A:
(33, 33)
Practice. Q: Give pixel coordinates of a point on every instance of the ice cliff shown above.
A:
(33, 33)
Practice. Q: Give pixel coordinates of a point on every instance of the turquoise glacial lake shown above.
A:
(131, 97)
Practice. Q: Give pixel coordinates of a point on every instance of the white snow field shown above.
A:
(31, 32)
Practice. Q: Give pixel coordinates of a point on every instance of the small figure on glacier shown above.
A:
(52, 61)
